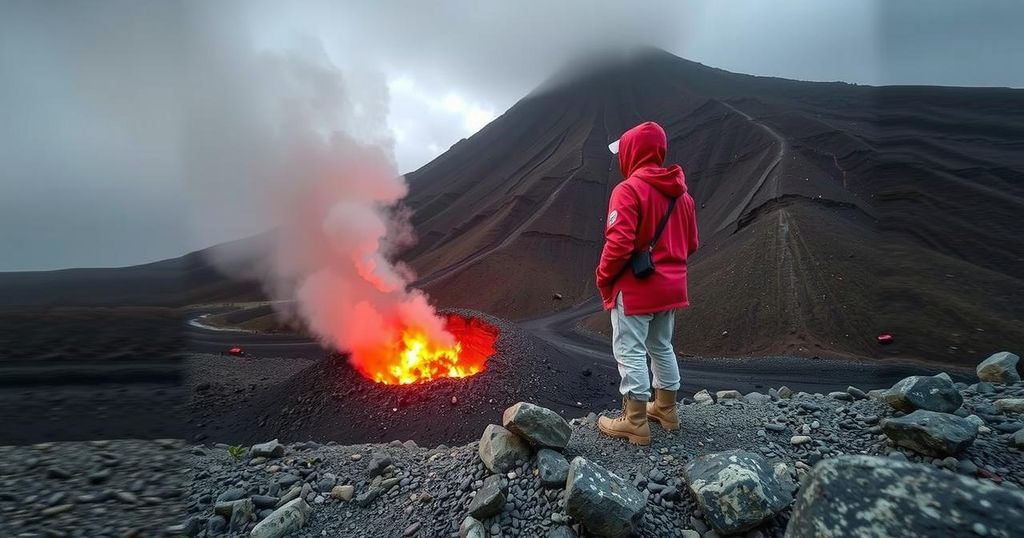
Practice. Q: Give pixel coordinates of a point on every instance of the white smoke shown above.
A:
(291, 144)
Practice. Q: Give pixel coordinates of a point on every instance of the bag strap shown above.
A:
(661, 225)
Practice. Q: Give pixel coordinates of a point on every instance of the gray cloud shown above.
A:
(94, 104)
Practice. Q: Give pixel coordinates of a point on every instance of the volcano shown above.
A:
(829, 213)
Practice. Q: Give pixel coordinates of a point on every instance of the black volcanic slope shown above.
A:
(829, 213)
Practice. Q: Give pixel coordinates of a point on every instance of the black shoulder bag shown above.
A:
(643, 262)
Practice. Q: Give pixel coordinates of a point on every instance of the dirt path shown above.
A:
(773, 186)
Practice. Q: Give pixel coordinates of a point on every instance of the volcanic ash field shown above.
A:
(245, 400)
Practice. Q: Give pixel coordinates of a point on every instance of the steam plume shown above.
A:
(290, 144)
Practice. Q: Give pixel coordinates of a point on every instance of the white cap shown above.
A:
(614, 147)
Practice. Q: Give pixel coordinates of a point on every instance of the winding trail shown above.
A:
(781, 149)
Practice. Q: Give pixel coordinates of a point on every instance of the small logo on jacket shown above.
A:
(612, 217)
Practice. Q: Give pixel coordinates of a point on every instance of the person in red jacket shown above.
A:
(642, 309)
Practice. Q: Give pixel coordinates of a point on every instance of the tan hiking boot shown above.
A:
(663, 409)
(632, 425)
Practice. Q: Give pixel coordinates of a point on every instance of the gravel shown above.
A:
(125, 488)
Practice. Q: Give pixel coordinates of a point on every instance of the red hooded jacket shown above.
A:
(637, 205)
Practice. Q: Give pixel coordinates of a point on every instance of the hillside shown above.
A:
(829, 213)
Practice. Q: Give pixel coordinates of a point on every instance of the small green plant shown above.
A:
(236, 452)
(310, 462)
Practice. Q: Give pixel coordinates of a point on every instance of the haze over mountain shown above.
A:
(829, 213)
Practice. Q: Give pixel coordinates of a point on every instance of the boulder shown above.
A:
(237, 512)
(540, 426)
(785, 392)
(603, 502)
(270, 449)
(756, 397)
(472, 528)
(728, 395)
(500, 449)
(1017, 440)
(552, 467)
(489, 499)
(857, 393)
(737, 490)
(930, 433)
(932, 393)
(1010, 405)
(703, 397)
(378, 463)
(999, 368)
(876, 496)
(289, 518)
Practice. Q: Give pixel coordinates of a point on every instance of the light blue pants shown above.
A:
(633, 338)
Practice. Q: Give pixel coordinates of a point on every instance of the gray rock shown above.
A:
(343, 493)
(1017, 440)
(931, 433)
(489, 499)
(756, 397)
(703, 397)
(785, 392)
(232, 494)
(873, 496)
(877, 394)
(841, 395)
(378, 463)
(289, 518)
(737, 490)
(999, 368)
(856, 393)
(540, 426)
(241, 515)
(287, 497)
(966, 468)
(264, 501)
(270, 449)
(365, 498)
(553, 468)
(604, 503)
(1010, 405)
(934, 393)
(561, 531)
(728, 395)
(499, 449)
(472, 528)
(216, 525)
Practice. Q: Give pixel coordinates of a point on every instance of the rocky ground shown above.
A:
(133, 488)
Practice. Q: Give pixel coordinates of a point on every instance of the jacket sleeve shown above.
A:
(619, 237)
(694, 238)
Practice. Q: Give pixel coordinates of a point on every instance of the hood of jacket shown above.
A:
(642, 154)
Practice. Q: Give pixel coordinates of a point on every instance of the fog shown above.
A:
(106, 160)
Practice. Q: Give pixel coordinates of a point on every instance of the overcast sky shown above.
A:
(94, 170)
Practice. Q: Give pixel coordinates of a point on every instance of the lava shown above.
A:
(415, 358)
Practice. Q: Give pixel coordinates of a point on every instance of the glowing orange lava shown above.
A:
(416, 359)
